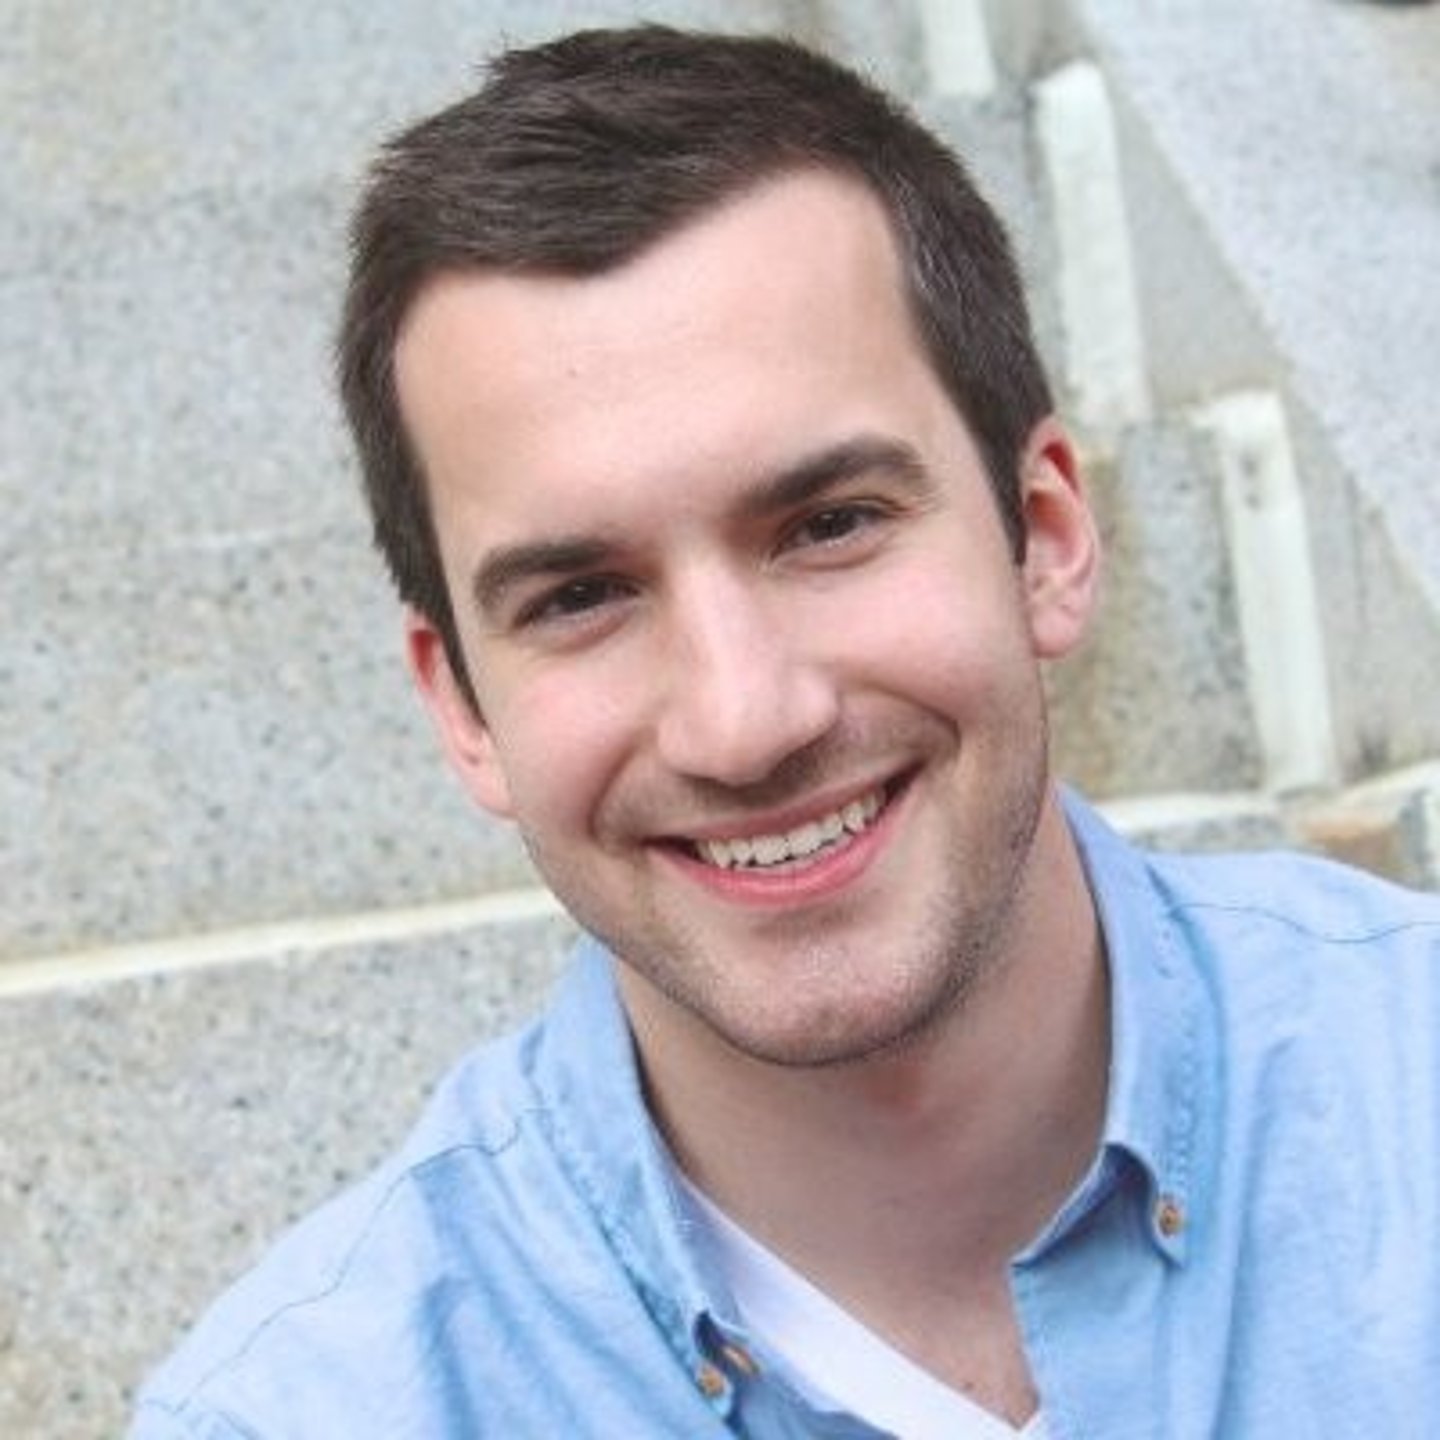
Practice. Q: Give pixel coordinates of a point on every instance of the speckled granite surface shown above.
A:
(155, 1133)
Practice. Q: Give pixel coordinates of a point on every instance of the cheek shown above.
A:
(931, 637)
(560, 743)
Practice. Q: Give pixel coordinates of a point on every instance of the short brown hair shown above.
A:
(576, 154)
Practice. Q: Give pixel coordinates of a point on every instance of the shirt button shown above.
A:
(1169, 1216)
(711, 1380)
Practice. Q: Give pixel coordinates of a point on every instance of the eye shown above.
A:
(834, 525)
(575, 599)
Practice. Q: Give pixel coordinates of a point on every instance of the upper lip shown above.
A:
(785, 818)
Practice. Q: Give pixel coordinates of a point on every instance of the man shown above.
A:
(709, 449)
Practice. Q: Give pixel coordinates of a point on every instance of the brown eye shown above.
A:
(833, 525)
(574, 598)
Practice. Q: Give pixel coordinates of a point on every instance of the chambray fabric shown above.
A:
(1255, 1252)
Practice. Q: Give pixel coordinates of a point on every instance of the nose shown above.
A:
(743, 689)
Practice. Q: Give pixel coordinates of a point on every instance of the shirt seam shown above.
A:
(1294, 924)
(343, 1267)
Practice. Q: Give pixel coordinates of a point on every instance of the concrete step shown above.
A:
(205, 724)
(158, 1129)
(1326, 213)
(214, 734)
(1389, 824)
(1300, 262)
(1159, 698)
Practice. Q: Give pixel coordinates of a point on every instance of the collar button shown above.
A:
(1169, 1216)
(711, 1380)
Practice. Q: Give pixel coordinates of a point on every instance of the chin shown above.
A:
(856, 1032)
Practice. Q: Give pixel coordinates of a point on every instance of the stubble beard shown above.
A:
(959, 946)
(959, 943)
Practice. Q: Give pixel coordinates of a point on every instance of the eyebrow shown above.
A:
(508, 565)
(808, 478)
(812, 475)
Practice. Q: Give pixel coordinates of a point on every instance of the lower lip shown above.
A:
(826, 874)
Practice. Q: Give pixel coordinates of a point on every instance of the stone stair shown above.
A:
(247, 918)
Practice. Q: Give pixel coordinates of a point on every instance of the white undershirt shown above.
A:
(828, 1356)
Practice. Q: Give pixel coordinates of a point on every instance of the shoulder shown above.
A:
(1322, 984)
(1303, 890)
(1254, 915)
(499, 1244)
(1316, 1085)
(1318, 904)
(1277, 950)
(346, 1308)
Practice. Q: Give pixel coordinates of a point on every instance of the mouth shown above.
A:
(802, 846)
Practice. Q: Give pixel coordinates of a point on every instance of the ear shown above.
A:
(466, 739)
(1061, 571)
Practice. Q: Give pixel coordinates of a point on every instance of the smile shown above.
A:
(816, 837)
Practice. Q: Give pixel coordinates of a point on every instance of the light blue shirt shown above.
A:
(1254, 1253)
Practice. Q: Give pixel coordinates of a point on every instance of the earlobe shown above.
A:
(464, 735)
(1061, 571)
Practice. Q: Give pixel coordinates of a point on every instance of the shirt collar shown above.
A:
(589, 1078)
(1156, 1029)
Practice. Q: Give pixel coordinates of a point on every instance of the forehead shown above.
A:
(770, 248)
(775, 323)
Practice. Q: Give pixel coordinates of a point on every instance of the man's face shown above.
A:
(756, 669)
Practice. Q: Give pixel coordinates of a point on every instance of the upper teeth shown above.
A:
(804, 840)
